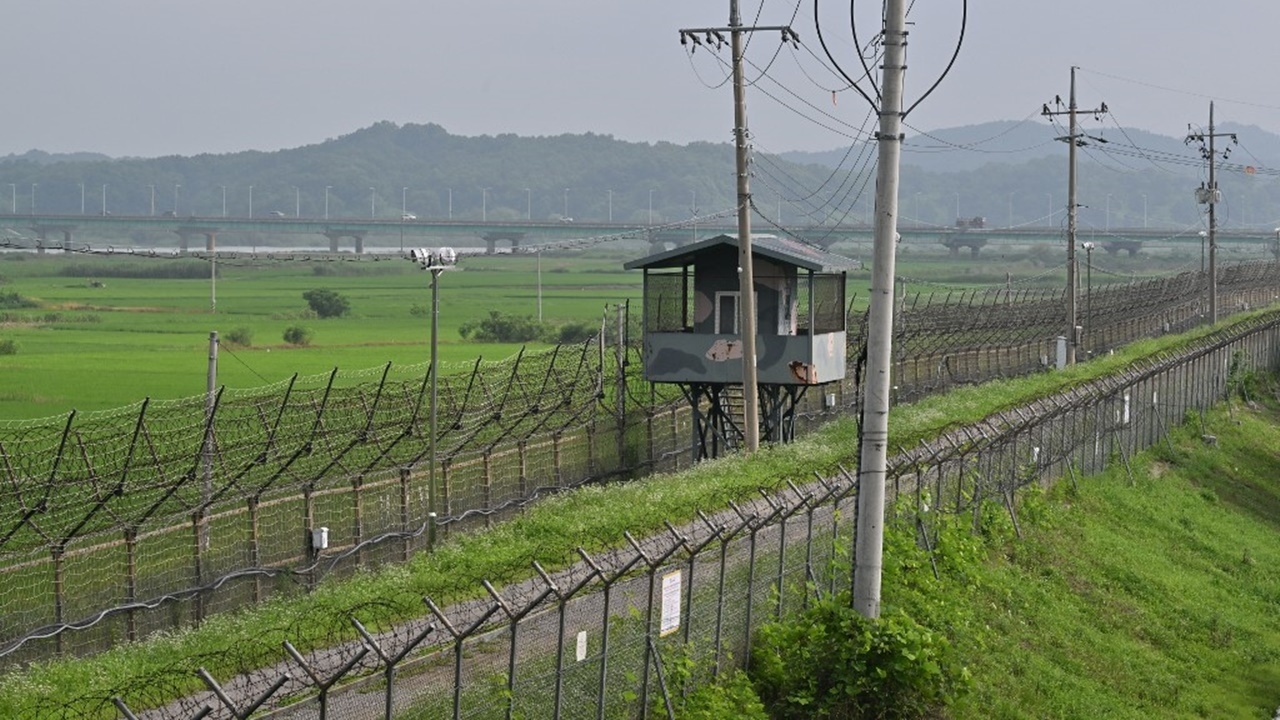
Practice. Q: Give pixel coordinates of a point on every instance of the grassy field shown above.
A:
(108, 331)
(102, 334)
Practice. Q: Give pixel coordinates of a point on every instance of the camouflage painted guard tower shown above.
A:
(692, 331)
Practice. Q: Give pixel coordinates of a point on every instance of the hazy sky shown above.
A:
(159, 77)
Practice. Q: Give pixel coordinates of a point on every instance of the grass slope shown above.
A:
(1159, 598)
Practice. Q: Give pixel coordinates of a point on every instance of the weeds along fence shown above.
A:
(627, 633)
(118, 524)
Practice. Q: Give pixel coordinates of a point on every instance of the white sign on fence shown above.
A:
(671, 597)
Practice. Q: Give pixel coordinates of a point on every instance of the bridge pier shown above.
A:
(335, 239)
(491, 240)
(210, 241)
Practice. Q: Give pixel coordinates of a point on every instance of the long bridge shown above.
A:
(59, 231)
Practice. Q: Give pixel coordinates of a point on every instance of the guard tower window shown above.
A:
(727, 318)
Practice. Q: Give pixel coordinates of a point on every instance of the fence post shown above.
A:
(131, 581)
(357, 514)
(59, 594)
(197, 557)
(255, 548)
(486, 487)
(522, 450)
(555, 458)
(405, 545)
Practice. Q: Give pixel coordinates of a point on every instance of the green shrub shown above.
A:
(297, 335)
(326, 303)
(12, 300)
(500, 327)
(241, 336)
(8, 346)
(730, 696)
(573, 333)
(830, 662)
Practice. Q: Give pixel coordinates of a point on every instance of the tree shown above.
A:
(326, 303)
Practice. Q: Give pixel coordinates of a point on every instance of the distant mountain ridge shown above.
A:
(1009, 142)
(41, 157)
(1010, 172)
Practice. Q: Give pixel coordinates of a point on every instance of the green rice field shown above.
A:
(98, 332)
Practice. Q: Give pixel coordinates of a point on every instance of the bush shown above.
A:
(326, 303)
(8, 346)
(241, 336)
(499, 327)
(297, 335)
(14, 301)
(831, 662)
(574, 332)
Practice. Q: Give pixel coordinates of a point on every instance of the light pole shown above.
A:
(565, 215)
(153, 199)
(484, 204)
(450, 203)
(528, 204)
(224, 201)
(297, 202)
(1144, 211)
(81, 198)
(175, 199)
(373, 203)
(104, 199)
(436, 262)
(327, 188)
(1088, 306)
(250, 201)
(33, 198)
(957, 206)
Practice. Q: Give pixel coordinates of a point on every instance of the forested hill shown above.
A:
(1009, 172)
(434, 172)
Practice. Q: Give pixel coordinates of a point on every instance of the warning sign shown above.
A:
(671, 597)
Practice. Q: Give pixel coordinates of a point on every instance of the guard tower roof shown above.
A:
(785, 250)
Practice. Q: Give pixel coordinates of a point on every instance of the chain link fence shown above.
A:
(120, 524)
(623, 633)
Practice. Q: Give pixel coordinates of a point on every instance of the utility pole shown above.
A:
(746, 272)
(1210, 196)
(873, 454)
(1073, 140)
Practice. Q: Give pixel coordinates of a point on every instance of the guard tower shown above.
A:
(692, 331)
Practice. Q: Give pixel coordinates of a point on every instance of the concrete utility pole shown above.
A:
(873, 454)
(1210, 196)
(1073, 140)
(746, 271)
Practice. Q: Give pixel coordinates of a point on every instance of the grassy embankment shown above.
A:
(595, 518)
